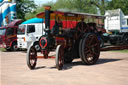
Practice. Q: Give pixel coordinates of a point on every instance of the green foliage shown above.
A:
(110, 5)
(2, 49)
(87, 6)
(100, 4)
(39, 9)
(122, 51)
(34, 13)
(115, 4)
(23, 7)
(66, 5)
(75, 5)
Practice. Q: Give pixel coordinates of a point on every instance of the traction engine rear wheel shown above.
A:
(31, 57)
(59, 57)
(90, 49)
(80, 50)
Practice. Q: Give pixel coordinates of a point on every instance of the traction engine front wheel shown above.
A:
(59, 57)
(31, 57)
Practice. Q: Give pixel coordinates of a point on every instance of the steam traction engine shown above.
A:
(70, 36)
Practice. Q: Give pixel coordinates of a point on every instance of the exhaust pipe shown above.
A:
(47, 17)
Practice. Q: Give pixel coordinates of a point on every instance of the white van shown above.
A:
(29, 32)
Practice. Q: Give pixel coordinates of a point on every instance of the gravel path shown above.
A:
(111, 69)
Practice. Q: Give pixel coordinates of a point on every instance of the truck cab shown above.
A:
(117, 27)
(8, 36)
(29, 32)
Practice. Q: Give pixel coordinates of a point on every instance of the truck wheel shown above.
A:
(101, 43)
(59, 57)
(37, 47)
(8, 49)
(31, 57)
(90, 49)
(125, 39)
(113, 42)
(14, 47)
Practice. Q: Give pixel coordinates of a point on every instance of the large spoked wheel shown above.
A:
(59, 57)
(80, 49)
(90, 49)
(31, 57)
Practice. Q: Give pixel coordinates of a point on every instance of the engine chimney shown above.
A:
(47, 16)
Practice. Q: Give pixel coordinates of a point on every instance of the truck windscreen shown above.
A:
(2, 31)
(30, 28)
(21, 29)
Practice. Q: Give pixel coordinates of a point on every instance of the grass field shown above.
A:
(122, 51)
(2, 49)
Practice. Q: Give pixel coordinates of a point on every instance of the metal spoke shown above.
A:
(91, 49)
(87, 51)
(91, 40)
(96, 44)
(95, 53)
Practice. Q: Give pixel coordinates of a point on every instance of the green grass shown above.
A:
(2, 49)
(122, 51)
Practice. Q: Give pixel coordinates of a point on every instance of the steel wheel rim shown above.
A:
(32, 56)
(15, 46)
(91, 48)
(60, 59)
(37, 47)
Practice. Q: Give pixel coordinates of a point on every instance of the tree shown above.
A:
(110, 5)
(122, 4)
(100, 4)
(23, 7)
(38, 9)
(75, 5)
(68, 5)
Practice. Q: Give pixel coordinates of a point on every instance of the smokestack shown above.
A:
(47, 16)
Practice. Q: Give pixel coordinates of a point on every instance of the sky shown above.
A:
(39, 2)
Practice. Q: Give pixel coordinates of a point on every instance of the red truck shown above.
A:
(8, 36)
